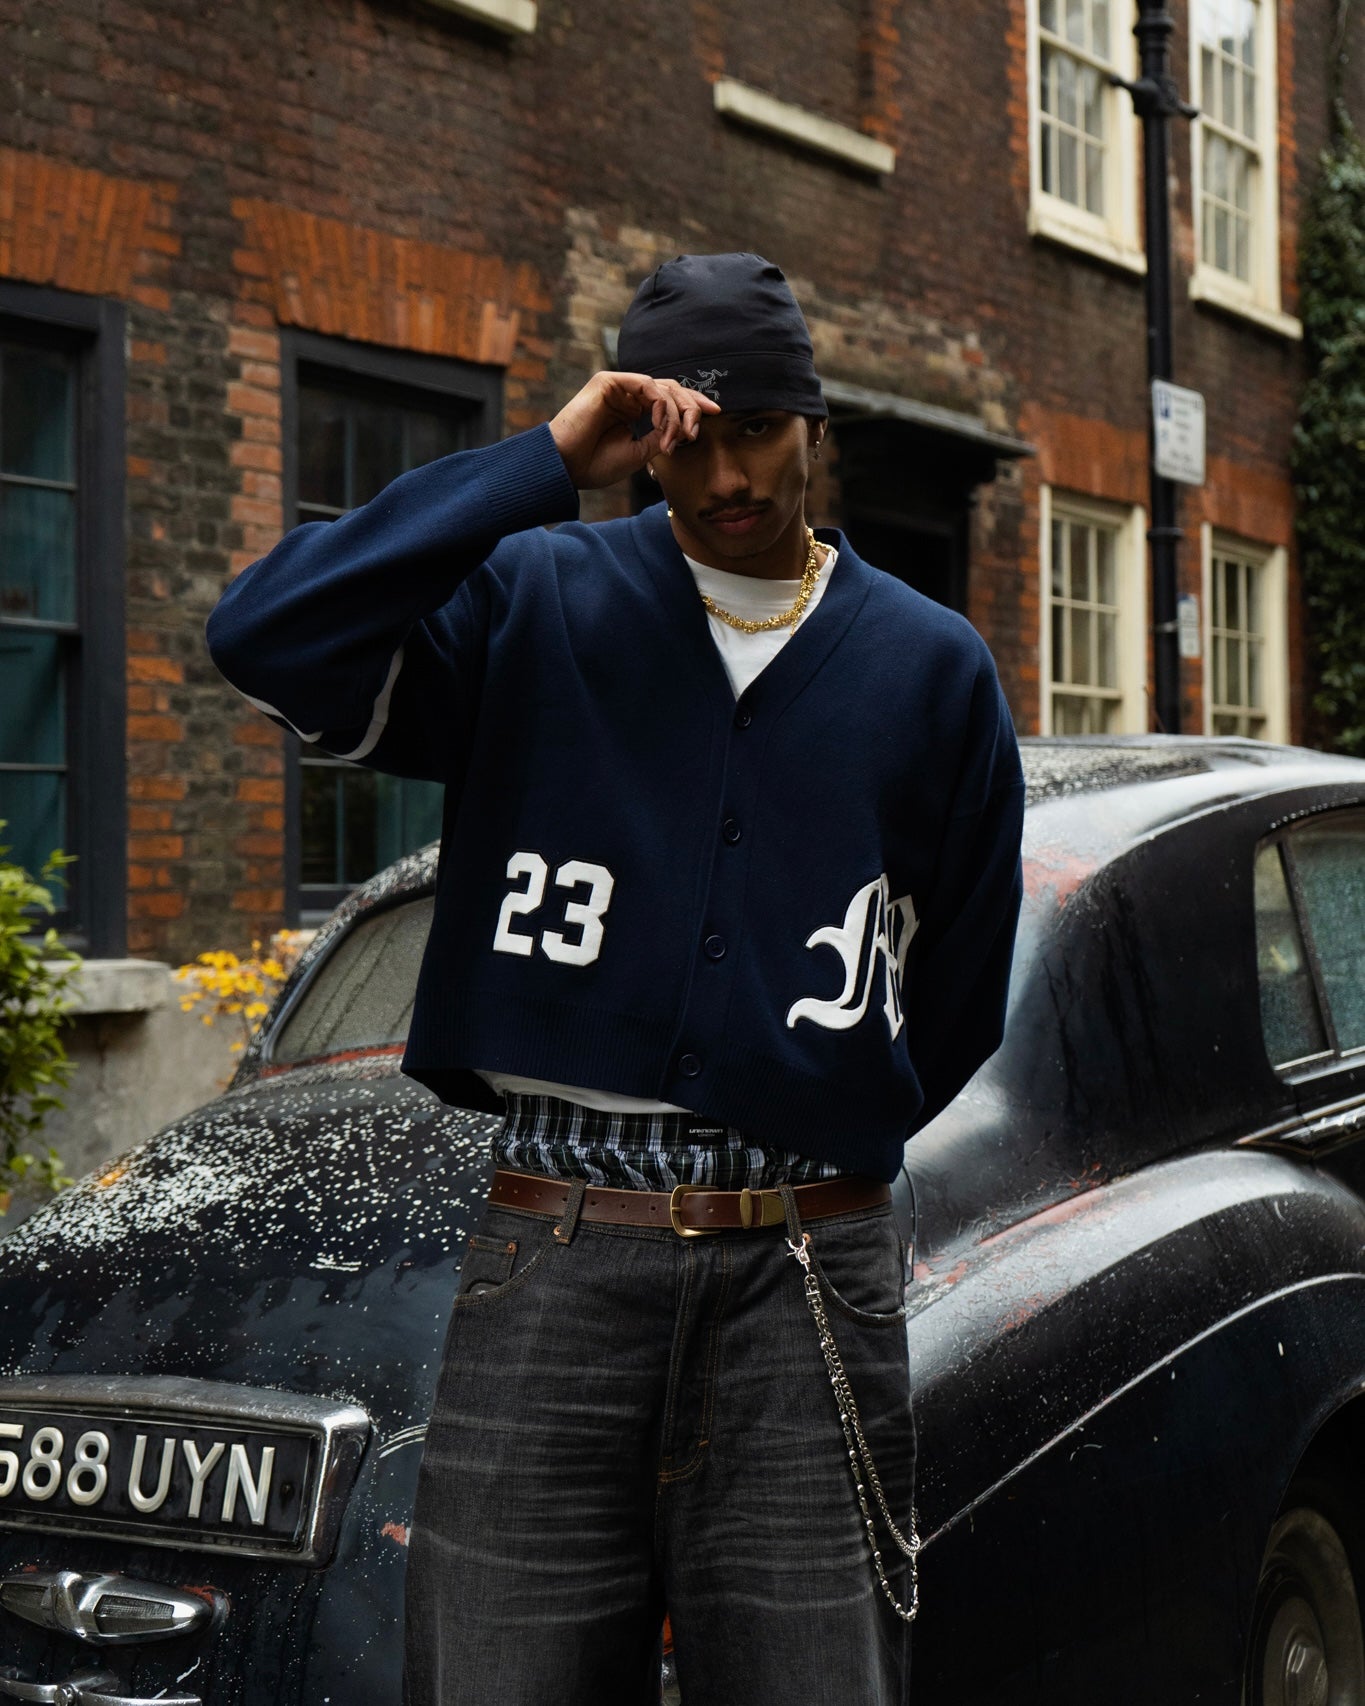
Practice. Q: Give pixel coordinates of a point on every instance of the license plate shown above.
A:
(178, 1463)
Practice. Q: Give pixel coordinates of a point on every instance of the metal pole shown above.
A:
(1155, 100)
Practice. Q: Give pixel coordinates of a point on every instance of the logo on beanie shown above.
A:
(705, 382)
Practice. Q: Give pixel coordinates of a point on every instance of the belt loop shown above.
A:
(793, 1213)
(568, 1221)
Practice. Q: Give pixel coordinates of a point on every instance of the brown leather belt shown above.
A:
(690, 1210)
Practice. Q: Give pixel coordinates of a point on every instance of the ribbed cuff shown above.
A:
(526, 483)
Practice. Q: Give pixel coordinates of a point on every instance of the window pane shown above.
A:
(1289, 1009)
(362, 996)
(1109, 651)
(32, 699)
(1058, 559)
(1099, 26)
(1255, 577)
(1107, 589)
(1092, 95)
(360, 828)
(1079, 554)
(1081, 665)
(1047, 14)
(1248, 104)
(37, 553)
(338, 823)
(1232, 687)
(33, 806)
(408, 815)
(1330, 859)
(1255, 681)
(378, 449)
(1075, 22)
(37, 413)
(431, 436)
(322, 447)
(1066, 89)
(1060, 662)
(1241, 248)
(1232, 595)
(1068, 167)
(1094, 179)
(319, 807)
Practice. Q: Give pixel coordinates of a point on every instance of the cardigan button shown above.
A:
(743, 718)
(731, 831)
(715, 947)
(689, 1066)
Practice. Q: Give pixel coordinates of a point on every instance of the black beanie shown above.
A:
(727, 326)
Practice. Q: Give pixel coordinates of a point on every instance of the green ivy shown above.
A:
(1329, 440)
(36, 978)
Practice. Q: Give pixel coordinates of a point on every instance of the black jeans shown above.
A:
(630, 1423)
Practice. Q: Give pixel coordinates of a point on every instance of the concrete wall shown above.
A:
(140, 1063)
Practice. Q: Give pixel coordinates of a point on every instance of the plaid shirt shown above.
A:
(641, 1152)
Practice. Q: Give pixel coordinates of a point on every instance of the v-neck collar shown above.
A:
(783, 677)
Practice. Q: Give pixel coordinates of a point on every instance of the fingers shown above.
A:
(675, 411)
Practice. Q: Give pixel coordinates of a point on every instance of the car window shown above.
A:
(1289, 1009)
(362, 995)
(1329, 862)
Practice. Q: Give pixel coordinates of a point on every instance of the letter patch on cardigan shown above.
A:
(874, 926)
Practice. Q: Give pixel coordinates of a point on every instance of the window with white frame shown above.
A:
(1083, 148)
(1232, 82)
(1244, 597)
(1093, 633)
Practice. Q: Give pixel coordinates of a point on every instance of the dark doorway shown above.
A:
(904, 498)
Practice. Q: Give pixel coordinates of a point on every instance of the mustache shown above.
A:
(735, 507)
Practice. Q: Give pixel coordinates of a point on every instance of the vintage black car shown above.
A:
(1136, 1320)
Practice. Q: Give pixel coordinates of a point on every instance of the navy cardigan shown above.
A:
(792, 913)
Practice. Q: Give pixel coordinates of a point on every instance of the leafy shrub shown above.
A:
(36, 978)
(1329, 440)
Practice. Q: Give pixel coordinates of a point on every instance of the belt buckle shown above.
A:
(750, 1207)
(675, 1200)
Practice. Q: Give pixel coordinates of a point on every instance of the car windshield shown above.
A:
(361, 997)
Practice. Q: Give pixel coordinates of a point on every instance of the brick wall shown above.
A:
(394, 175)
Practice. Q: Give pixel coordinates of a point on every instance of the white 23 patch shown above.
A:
(585, 915)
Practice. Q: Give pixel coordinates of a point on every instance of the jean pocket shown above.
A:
(501, 1256)
(860, 1263)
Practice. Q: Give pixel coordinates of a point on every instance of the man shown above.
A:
(725, 910)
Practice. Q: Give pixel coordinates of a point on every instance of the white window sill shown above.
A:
(1055, 228)
(752, 107)
(1214, 291)
(512, 17)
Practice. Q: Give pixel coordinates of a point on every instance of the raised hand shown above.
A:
(593, 430)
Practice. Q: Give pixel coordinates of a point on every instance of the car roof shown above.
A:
(1149, 782)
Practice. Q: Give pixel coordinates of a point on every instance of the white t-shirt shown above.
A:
(744, 656)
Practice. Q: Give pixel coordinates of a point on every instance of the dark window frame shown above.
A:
(95, 921)
(444, 378)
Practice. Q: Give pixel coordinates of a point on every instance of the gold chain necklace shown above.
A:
(788, 618)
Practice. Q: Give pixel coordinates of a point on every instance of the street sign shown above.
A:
(1178, 418)
(1187, 626)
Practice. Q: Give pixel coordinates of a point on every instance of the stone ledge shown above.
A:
(513, 17)
(121, 986)
(752, 107)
